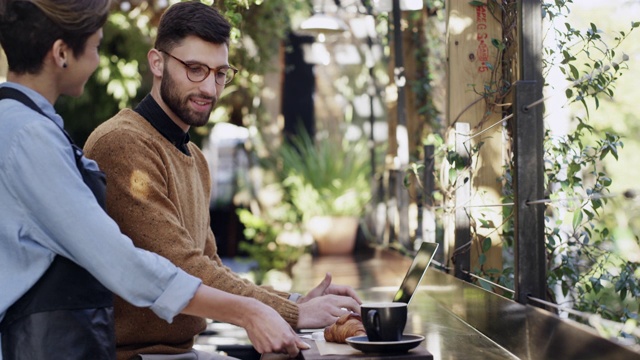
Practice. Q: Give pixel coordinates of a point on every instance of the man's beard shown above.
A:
(180, 106)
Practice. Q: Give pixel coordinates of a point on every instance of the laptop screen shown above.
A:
(416, 271)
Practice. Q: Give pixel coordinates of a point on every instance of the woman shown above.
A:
(61, 256)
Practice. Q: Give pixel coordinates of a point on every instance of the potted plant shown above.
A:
(328, 182)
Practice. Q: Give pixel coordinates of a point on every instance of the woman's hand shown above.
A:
(270, 333)
(267, 330)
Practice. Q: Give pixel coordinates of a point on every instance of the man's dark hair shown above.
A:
(191, 18)
(28, 29)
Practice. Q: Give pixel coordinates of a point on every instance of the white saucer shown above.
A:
(405, 344)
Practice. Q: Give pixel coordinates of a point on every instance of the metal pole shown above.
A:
(426, 217)
(462, 252)
(425, 197)
(402, 135)
(400, 82)
(372, 116)
(427, 175)
(530, 261)
(372, 92)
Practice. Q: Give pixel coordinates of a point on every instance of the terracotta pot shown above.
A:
(334, 235)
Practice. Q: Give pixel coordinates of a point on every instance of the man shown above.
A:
(158, 184)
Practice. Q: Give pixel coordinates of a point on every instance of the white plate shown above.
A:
(405, 344)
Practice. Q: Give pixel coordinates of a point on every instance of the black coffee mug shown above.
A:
(384, 321)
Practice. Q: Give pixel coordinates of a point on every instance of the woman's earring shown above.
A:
(64, 65)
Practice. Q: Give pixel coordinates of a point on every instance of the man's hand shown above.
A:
(323, 311)
(326, 288)
(323, 305)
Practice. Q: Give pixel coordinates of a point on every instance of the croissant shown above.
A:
(346, 326)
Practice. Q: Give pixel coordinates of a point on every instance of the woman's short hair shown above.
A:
(191, 18)
(28, 28)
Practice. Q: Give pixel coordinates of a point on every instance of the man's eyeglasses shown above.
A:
(198, 72)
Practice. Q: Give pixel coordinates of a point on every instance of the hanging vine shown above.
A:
(583, 273)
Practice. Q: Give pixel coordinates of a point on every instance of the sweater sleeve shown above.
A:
(142, 199)
(276, 299)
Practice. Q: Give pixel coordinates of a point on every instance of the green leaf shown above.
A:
(453, 173)
(485, 285)
(486, 245)
(568, 93)
(551, 242)
(577, 219)
(498, 44)
(597, 285)
(574, 72)
(476, 3)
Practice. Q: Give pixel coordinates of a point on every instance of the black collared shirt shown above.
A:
(150, 110)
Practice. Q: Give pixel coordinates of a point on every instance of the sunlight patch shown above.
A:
(139, 184)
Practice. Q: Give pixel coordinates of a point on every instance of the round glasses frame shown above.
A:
(197, 72)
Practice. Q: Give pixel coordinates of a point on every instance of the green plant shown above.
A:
(328, 177)
(268, 245)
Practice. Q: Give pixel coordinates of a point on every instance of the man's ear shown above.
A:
(156, 62)
(60, 53)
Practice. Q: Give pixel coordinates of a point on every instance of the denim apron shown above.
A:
(67, 314)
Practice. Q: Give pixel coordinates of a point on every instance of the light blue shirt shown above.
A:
(46, 209)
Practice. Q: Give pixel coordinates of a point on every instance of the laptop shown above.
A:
(416, 272)
(412, 278)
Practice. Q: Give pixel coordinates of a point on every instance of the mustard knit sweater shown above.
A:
(160, 198)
